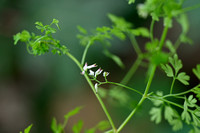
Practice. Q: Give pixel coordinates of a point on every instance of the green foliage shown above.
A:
(77, 127)
(170, 46)
(27, 130)
(197, 71)
(196, 90)
(156, 114)
(72, 113)
(131, 1)
(115, 58)
(159, 58)
(160, 8)
(173, 118)
(122, 29)
(168, 70)
(59, 128)
(177, 65)
(41, 44)
(101, 126)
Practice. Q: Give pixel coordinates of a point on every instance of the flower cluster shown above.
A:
(94, 74)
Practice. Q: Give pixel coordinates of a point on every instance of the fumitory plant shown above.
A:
(157, 53)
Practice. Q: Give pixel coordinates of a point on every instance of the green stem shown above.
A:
(85, 53)
(151, 29)
(121, 85)
(131, 71)
(141, 100)
(92, 87)
(182, 93)
(162, 40)
(172, 85)
(190, 8)
(131, 114)
(135, 44)
(177, 43)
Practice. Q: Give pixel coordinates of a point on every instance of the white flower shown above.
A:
(86, 67)
(96, 87)
(105, 74)
(98, 72)
(91, 73)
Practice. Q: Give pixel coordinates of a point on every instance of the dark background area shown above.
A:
(34, 89)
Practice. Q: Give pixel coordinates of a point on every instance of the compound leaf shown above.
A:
(168, 70)
(183, 78)
(77, 127)
(196, 71)
(156, 114)
(176, 63)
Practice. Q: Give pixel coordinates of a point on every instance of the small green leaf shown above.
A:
(183, 78)
(82, 30)
(197, 71)
(141, 32)
(115, 58)
(196, 120)
(55, 21)
(158, 102)
(27, 130)
(54, 125)
(16, 38)
(72, 113)
(185, 39)
(183, 20)
(39, 23)
(176, 63)
(91, 130)
(77, 127)
(168, 70)
(152, 46)
(159, 58)
(156, 114)
(170, 46)
(176, 125)
(103, 125)
(186, 116)
(25, 36)
(131, 1)
(191, 101)
(169, 113)
(118, 33)
(120, 23)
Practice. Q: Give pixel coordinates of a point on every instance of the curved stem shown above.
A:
(92, 87)
(151, 29)
(172, 86)
(85, 53)
(135, 44)
(131, 71)
(190, 8)
(162, 40)
(131, 114)
(182, 93)
(121, 85)
(141, 100)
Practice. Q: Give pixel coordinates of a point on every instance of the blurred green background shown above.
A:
(35, 89)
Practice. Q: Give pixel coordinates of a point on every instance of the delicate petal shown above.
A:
(85, 67)
(98, 72)
(96, 87)
(83, 72)
(91, 66)
(105, 74)
(91, 73)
